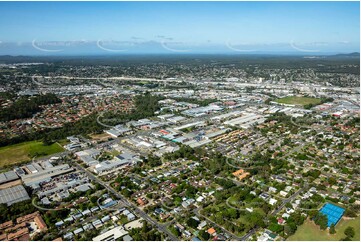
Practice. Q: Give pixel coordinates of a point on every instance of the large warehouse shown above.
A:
(13, 195)
(8, 177)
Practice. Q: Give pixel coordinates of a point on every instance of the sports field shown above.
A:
(310, 231)
(17, 153)
(298, 100)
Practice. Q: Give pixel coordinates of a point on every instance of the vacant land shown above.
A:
(13, 154)
(310, 231)
(100, 137)
(299, 100)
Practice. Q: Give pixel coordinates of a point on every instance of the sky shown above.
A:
(183, 27)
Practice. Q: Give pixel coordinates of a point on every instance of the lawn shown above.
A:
(63, 142)
(298, 100)
(21, 152)
(310, 231)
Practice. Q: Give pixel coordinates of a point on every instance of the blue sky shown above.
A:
(181, 26)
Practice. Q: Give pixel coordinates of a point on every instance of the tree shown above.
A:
(350, 212)
(145, 106)
(16, 210)
(177, 201)
(25, 107)
(255, 218)
(349, 232)
(191, 192)
(346, 239)
(175, 231)
(321, 220)
(93, 199)
(290, 228)
(203, 235)
(332, 181)
(332, 229)
(232, 213)
(191, 222)
(47, 141)
(275, 228)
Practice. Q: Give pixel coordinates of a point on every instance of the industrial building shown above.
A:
(118, 130)
(246, 120)
(190, 125)
(88, 156)
(33, 180)
(61, 185)
(201, 111)
(8, 177)
(226, 116)
(111, 235)
(118, 161)
(13, 195)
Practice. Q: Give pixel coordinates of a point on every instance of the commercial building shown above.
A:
(165, 116)
(88, 156)
(195, 143)
(176, 119)
(118, 161)
(246, 120)
(8, 176)
(226, 115)
(118, 130)
(33, 180)
(60, 186)
(201, 111)
(13, 195)
(190, 125)
(111, 235)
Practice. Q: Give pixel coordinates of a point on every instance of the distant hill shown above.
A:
(353, 55)
(172, 58)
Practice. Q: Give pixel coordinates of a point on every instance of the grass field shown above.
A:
(18, 153)
(310, 231)
(298, 100)
(63, 142)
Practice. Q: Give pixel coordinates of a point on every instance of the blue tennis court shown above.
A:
(334, 213)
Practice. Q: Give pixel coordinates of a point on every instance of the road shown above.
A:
(249, 234)
(233, 236)
(160, 227)
(284, 202)
(287, 200)
(47, 157)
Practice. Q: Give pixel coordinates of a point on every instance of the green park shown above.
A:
(22, 152)
(295, 100)
(309, 231)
